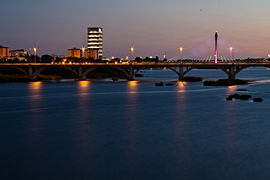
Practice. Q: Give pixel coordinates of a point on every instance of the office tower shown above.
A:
(95, 42)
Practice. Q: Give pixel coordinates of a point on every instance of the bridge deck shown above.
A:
(205, 64)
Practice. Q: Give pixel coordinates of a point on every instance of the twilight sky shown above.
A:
(152, 26)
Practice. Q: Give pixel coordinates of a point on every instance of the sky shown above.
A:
(153, 27)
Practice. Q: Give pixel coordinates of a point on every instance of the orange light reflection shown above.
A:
(84, 86)
(181, 86)
(231, 89)
(133, 86)
(35, 88)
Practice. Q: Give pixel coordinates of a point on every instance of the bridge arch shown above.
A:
(230, 71)
(182, 72)
(129, 73)
(20, 69)
(39, 71)
(88, 71)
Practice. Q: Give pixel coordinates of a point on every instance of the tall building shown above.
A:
(75, 53)
(95, 42)
(4, 52)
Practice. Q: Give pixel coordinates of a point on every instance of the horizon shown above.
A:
(152, 27)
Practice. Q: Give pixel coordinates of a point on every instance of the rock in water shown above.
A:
(257, 100)
(159, 84)
(245, 97)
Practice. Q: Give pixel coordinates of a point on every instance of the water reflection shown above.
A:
(181, 85)
(34, 144)
(83, 123)
(231, 89)
(132, 127)
(83, 95)
(35, 90)
(230, 123)
(132, 86)
(180, 163)
(35, 99)
(83, 88)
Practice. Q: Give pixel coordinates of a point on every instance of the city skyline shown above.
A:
(151, 28)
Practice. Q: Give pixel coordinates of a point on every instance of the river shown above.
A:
(99, 129)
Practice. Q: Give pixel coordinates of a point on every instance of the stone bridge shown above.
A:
(81, 70)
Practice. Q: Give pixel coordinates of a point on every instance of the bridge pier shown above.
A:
(82, 78)
(32, 75)
(81, 74)
(232, 73)
(181, 73)
(131, 74)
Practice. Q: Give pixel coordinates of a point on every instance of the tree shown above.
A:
(46, 58)
(138, 59)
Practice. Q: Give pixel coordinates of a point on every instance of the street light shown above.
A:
(132, 52)
(83, 50)
(83, 53)
(231, 52)
(181, 52)
(35, 51)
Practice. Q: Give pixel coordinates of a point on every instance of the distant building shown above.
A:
(95, 42)
(18, 53)
(4, 52)
(75, 53)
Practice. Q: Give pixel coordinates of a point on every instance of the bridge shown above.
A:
(130, 69)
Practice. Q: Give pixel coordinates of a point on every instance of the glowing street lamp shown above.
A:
(231, 52)
(83, 52)
(181, 52)
(35, 52)
(132, 52)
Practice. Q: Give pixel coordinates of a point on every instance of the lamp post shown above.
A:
(83, 53)
(181, 53)
(35, 52)
(132, 52)
(231, 52)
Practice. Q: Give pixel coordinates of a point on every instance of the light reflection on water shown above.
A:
(35, 90)
(232, 89)
(132, 129)
(180, 128)
(133, 86)
(83, 89)
(181, 86)
(36, 124)
(230, 127)
(83, 123)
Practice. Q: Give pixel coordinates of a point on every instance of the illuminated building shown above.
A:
(95, 42)
(4, 52)
(18, 53)
(74, 53)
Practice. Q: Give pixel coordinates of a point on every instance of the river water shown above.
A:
(135, 130)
